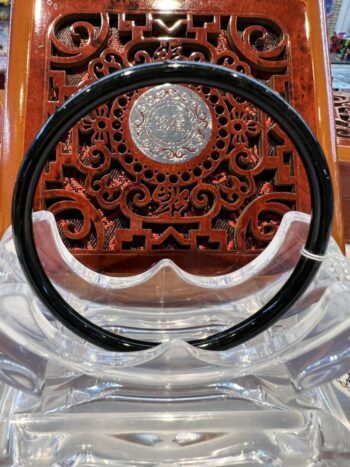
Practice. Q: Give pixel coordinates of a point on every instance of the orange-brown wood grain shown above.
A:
(325, 131)
(14, 123)
(2, 108)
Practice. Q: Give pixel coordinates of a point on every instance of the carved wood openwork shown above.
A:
(109, 199)
(342, 117)
(342, 122)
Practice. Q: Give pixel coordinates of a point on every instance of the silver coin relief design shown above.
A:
(170, 124)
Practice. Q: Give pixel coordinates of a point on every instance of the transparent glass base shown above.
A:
(272, 401)
(220, 430)
(212, 439)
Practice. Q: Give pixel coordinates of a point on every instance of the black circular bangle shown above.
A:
(154, 74)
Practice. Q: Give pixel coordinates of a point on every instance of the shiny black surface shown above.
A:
(154, 74)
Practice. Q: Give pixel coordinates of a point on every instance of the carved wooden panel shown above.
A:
(111, 201)
(342, 117)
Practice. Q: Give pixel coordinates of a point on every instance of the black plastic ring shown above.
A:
(149, 75)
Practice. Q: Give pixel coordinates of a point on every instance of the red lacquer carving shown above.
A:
(108, 197)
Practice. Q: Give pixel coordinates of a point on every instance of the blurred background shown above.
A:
(4, 37)
(338, 12)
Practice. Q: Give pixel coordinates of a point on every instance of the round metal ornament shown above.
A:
(170, 124)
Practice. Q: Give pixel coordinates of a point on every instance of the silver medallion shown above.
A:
(170, 124)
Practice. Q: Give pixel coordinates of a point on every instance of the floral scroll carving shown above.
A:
(107, 196)
(78, 43)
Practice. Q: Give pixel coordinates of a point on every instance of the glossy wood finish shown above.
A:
(14, 146)
(228, 199)
(292, 55)
(318, 41)
(2, 108)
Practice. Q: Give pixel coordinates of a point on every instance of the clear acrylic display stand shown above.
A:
(271, 401)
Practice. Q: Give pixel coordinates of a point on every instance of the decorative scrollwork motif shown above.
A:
(262, 45)
(76, 43)
(342, 117)
(113, 189)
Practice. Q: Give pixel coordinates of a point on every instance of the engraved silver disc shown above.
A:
(170, 124)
